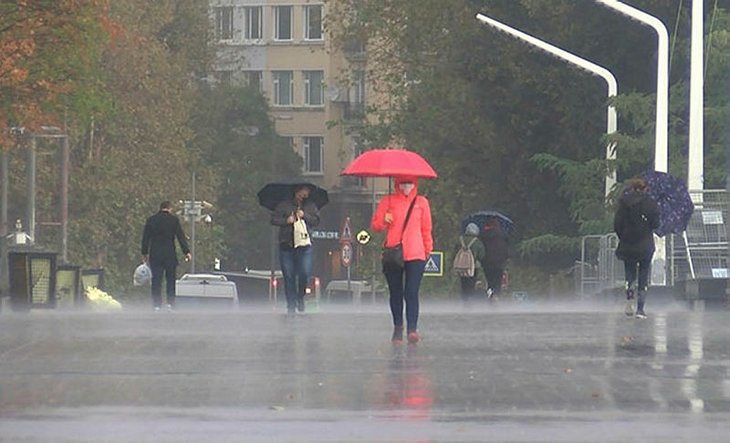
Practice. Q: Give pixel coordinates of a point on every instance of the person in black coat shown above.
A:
(496, 253)
(295, 261)
(158, 251)
(635, 220)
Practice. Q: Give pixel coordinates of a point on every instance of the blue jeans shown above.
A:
(413, 272)
(296, 266)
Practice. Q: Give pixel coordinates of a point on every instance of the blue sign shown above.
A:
(434, 264)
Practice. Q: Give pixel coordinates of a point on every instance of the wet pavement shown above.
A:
(508, 373)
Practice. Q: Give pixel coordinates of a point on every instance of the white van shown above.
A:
(205, 290)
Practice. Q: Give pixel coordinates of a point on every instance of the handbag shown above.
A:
(392, 257)
(301, 235)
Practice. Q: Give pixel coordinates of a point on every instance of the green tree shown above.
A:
(236, 139)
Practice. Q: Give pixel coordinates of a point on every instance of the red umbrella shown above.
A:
(389, 163)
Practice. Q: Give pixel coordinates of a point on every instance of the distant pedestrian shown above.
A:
(635, 220)
(496, 254)
(158, 251)
(465, 267)
(406, 218)
(295, 216)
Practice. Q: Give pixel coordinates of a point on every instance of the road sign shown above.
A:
(346, 254)
(346, 234)
(363, 237)
(434, 265)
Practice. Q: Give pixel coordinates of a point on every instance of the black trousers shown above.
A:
(630, 270)
(160, 270)
(494, 278)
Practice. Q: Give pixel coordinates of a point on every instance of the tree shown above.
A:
(237, 141)
(46, 52)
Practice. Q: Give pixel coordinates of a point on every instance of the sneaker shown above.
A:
(170, 308)
(640, 314)
(413, 337)
(397, 337)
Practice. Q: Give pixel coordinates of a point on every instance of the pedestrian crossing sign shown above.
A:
(434, 265)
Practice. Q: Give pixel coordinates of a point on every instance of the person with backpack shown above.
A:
(468, 253)
(496, 254)
(635, 220)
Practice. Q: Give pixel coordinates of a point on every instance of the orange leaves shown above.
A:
(41, 46)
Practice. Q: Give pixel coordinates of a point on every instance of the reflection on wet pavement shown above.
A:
(254, 375)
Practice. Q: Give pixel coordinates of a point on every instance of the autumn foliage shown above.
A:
(44, 50)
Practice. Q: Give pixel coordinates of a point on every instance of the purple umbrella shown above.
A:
(673, 200)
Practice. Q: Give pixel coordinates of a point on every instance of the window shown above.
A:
(254, 79)
(253, 23)
(283, 88)
(313, 90)
(282, 22)
(313, 22)
(355, 107)
(224, 23)
(313, 154)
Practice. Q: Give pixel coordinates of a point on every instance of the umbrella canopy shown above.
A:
(480, 218)
(276, 192)
(389, 163)
(673, 200)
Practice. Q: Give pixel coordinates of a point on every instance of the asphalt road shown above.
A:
(521, 374)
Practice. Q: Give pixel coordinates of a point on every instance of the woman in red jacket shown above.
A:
(417, 244)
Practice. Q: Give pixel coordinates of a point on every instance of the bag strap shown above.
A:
(408, 215)
(471, 242)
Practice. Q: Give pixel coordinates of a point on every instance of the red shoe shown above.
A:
(413, 337)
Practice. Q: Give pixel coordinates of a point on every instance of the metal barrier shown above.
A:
(701, 252)
(599, 267)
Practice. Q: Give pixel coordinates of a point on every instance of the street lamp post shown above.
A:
(582, 63)
(661, 152)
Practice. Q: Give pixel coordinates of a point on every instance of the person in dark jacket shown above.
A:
(158, 251)
(296, 262)
(635, 220)
(496, 253)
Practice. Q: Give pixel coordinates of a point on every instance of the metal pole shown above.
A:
(695, 161)
(31, 189)
(4, 195)
(661, 145)
(375, 261)
(611, 121)
(192, 229)
(65, 160)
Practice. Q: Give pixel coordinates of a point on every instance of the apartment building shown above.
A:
(317, 96)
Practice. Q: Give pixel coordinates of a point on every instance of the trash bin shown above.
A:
(68, 286)
(32, 278)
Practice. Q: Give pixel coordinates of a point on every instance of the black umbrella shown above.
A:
(276, 192)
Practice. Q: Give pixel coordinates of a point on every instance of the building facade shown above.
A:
(317, 95)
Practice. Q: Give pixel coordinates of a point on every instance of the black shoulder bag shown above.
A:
(392, 257)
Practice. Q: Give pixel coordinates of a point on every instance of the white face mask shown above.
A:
(406, 187)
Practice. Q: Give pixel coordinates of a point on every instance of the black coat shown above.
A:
(496, 247)
(284, 210)
(635, 220)
(158, 239)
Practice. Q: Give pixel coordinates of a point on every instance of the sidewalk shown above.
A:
(526, 374)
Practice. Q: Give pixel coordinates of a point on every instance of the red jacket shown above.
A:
(417, 241)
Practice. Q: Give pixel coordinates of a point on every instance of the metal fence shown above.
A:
(701, 252)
